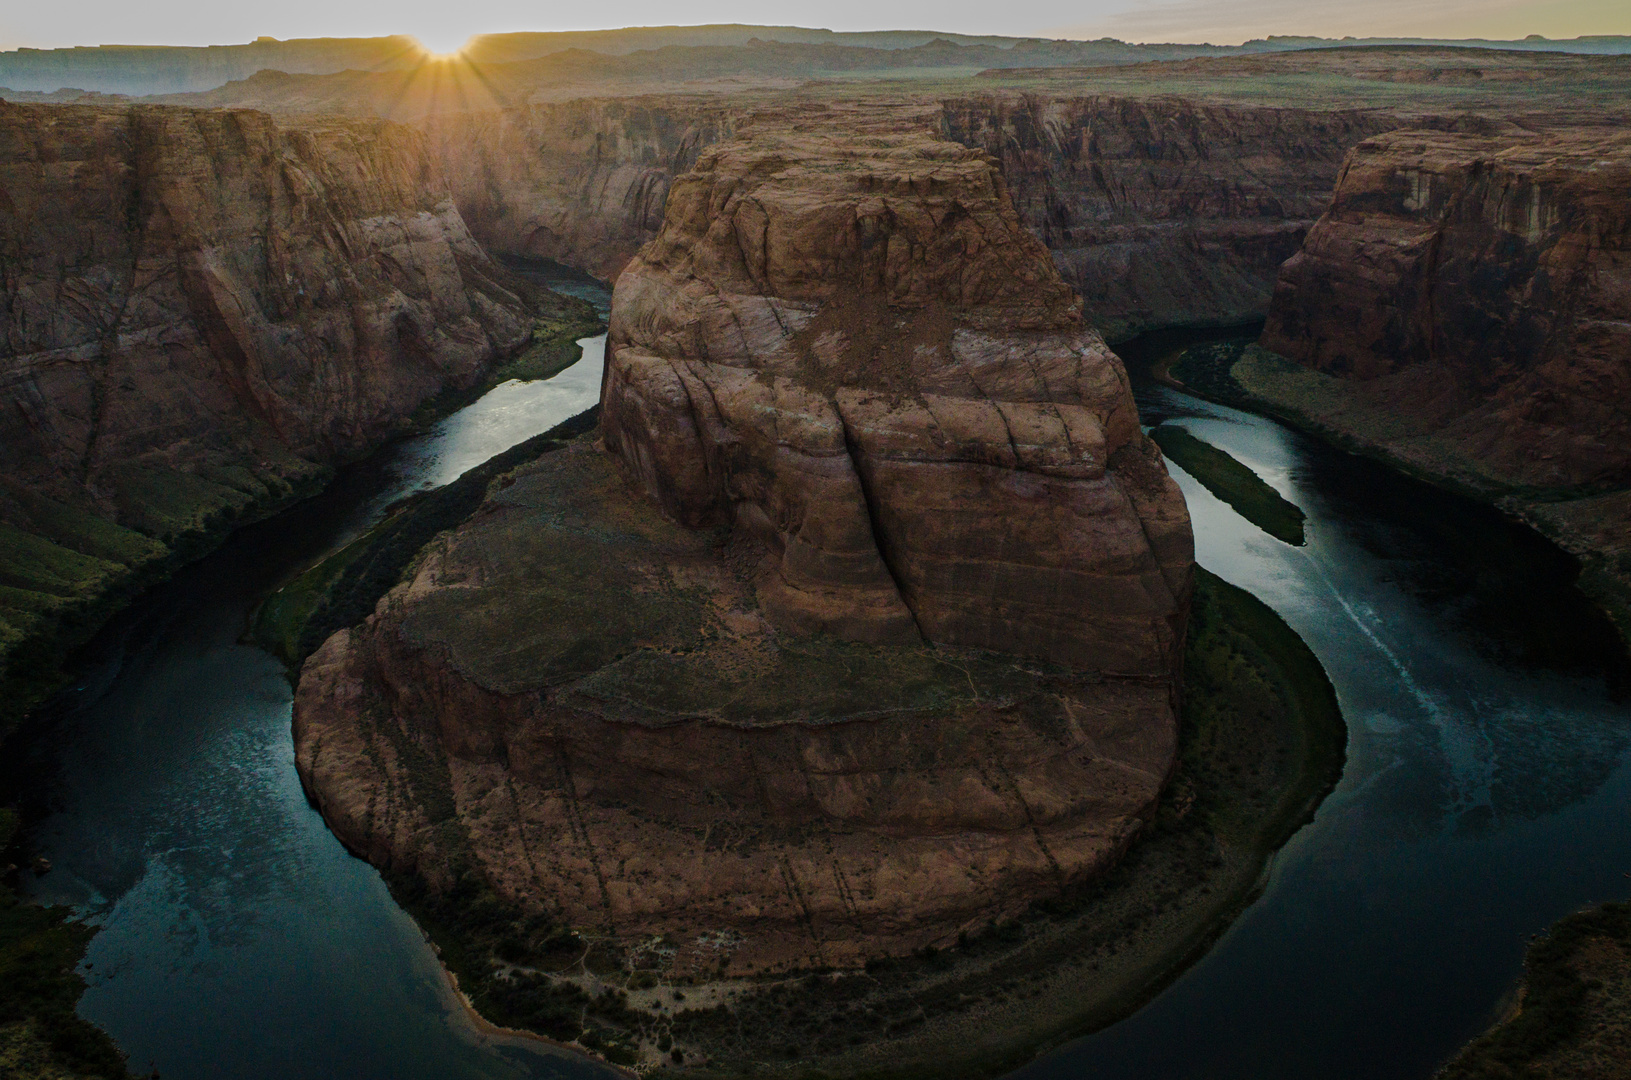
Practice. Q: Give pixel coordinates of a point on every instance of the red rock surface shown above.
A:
(188, 291)
(1480, 286)
(849, 348)
(1165, 212)
(753, 683)
(1158, 212)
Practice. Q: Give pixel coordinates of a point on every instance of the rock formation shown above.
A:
(1158, 212)
(1478, 290)
(199, 311)
(864, 631)
(1164, 212)
(854, 351)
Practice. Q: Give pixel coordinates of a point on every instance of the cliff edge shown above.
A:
(864, 631)
(1463, 310)
(200, 311)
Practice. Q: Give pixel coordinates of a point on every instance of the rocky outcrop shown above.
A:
(847, 345)
(1479, 290)
(199, 311)
(1164, 212)
(863, 632)
(1158, 212)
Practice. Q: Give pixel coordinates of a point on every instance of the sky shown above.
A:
(444, 26)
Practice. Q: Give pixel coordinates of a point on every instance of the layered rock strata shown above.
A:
(848, 347)
(199, 311)
(1464, 311)
(862, 627)
(1164, 212)
(1158, 212)
(1481, 289)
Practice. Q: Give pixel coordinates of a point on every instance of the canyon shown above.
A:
(1464, 310)
(852, 423)
(857, 630)
(1158, 213)
(203, 312)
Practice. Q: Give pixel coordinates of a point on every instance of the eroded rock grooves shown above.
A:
(846, 345)
(1480, 286)
(864, 631)
(199, 311)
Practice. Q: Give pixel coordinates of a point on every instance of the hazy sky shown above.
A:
(444, 25)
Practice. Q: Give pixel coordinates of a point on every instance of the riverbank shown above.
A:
(1572, 1016)
(1261, 743)
(1592, 526)
(41, 1037)
(61, 582)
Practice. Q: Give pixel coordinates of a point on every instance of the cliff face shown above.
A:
(749, 679)
(854, 351)
(1481, 288)
(582, 182)
(1164, 213)
(1158, 213)
(198, 311)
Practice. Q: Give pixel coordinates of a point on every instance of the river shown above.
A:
(1485, 795)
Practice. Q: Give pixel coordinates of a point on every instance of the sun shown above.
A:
(443, 45)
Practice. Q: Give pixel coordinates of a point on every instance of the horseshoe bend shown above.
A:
(857, 627)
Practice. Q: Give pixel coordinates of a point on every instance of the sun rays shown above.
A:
(441, 81)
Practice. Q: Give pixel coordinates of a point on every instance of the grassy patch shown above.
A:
(41, 1037)
(1574, 1018)
(1261, 742)
(342, 590)
(1232, 482)
(554, 348)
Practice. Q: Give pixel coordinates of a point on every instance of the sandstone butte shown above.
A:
(199, 312)
(861, 624)
(1464, 307)
(1161, 212)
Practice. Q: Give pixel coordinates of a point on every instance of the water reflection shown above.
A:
(1485, 794)
(239, 939)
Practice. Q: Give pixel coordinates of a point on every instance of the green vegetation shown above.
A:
(342, 590)
(1232, 482)
(65, 570)
(553, 349)
(1261, 741)
(1575, 1009)
(41, 1038)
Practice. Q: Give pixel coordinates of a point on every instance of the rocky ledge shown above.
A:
(860, 627)
(1464, 311)
(200, 311)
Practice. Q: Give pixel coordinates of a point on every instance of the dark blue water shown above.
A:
(239, 939)
(1486, 795)
(1486, 792)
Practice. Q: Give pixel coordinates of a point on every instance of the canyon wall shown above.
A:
(199, 311)
(1479, 288)
(861, 626)
(1164, 212)
(1159, 213)
(582, 182)
(848, 344)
